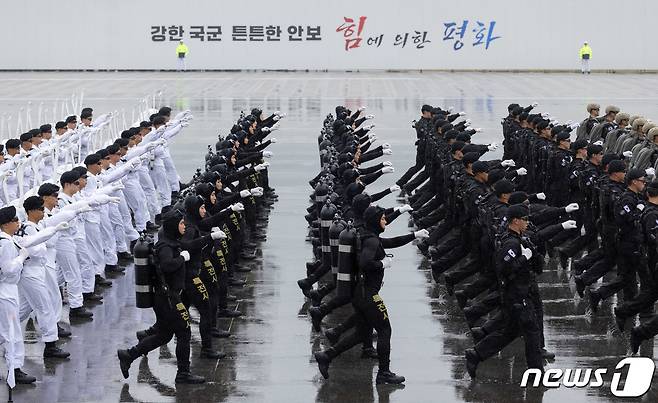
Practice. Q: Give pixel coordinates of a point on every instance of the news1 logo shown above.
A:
(637, 383)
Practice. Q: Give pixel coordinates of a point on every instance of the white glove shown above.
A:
(151, 145)
(387, 151)
(372, 138)
(534, 104)
(574, 126)
(276, 118)
(62, 226)
(267, 154)
(24, 253)
(265, 129)
(83, 208)
(388, 170)
(462, 113)
(115, 200)
(117, 186)
(521, 171)
(282, 115)
(372, 135)
(405, 208)
(369, 127)
(492, 147)
(583, 231)
(219, 234)
(257, 191)
(237, 207)
(361, 108)
(545, 115)
(387, 163)
(261, 167)
(467, 122)
(640, 207)
(569, 224)
(371, 116)
(394, 188)
(387, 262)
(478, 129)
(541, 196)
(508, 163)
(650, 172)
(627, 154)
(186, 255)
(527, 252)
(274, 127)
(386, 146)
(213, 229)
(245, 193)
(422, 234)
(571, 207)
(599, 143)
(273, 140)
(135, 163)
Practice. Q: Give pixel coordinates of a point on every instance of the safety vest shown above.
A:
(181, 49)
(585, 50)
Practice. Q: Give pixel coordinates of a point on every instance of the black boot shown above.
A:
(462, 299)
(151, 227)
(92, 297)
(621, 322)
(332, 335)
(114, 269)
(125, 256)
(636, 340)
(478, 334)
(52, 351)
(316, 317)
(316, 297)
(207, 352)
(23, 378)
(227, 313)
(125, 359)
(547, 355)
(220, 333)
(323, 361)
(187, 377)
(80, 313)
(472, 361)
(594, 299)
(305, 286)
(387, 376)
(580, 285)
(102, 282)
(141, 334)
(62, 333)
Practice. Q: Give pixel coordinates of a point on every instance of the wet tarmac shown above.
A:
(270, 351)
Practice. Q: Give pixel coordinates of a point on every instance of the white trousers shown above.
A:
(584, 65)
(172, 174)
(152, 199)
(136, 200)
(11, 337)
(67, 260)
(95, 247)
(159, 177)
(35, 296)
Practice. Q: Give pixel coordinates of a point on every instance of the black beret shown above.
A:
(103, 152)
(518, 197)
(543, 124)
(503, 186)
(607, 158)
(69, 177)
(33, 203)
(13, 143)
(480, 166)
(47, 128)
(145, 124)
(518, 211)
(48, 189)
(60, 125)
(578, 144)
(593, 149)
(81, 171)
(86, 110)
(457, 145)
(653, 185)
(511, 107)
(450, 134)
(71, 119)
(92, 159)
(563, 136)
(112, 149)
(495, 175)
(127, 134)
(164, 111)
(85, 114)
(26, 136)
(426, 108)
(465, 137)
(7, 214)
(634, 174)
(470, 158)
(616, 166)
(121, 142)
(159, 120)
(516, 111)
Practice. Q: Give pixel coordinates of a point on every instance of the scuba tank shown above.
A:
(347, 261)
(144, 273)
(337, 226)
(326, 216)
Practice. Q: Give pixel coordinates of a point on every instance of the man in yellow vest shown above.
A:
(181, 53)
(585, 55)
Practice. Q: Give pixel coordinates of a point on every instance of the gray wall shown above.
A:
(538, 35)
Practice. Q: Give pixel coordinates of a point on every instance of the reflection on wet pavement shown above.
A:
(270, 352)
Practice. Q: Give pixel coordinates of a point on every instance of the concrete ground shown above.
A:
(270, 352)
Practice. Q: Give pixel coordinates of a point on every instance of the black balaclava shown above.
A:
(192, 205)
(371, 218)
(170, 222)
